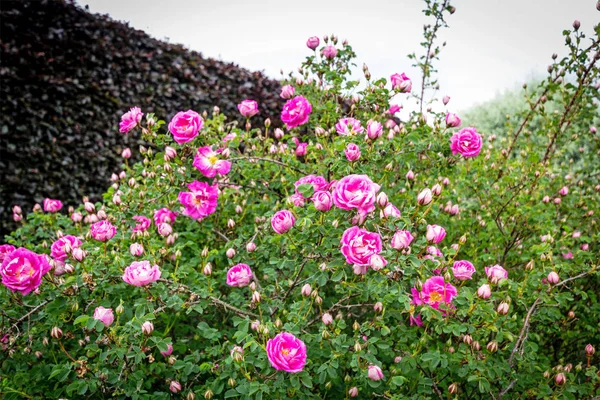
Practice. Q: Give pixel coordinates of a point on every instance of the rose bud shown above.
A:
(175, 387)
(589, 350)
(436, 189)
(553, 278)
(147, 328)
(476, 346)
(502, 308)
(57, 333)
(492, 346)
(452, 120)
(382, 199)
(564, 191)
(250, 247)
(136, 249)
(446, 100)
(374, 373)
(353, 392)
(230, 253)
(207, 270)
(576, 24)
(378, 307)
(410, 175)
(165, 229)
(467, 339)
(255, 297)
(560, 379)
(126, 153)
(306, 290)
(327, 318)
(484, 291)
(425, 197)
(453, 389)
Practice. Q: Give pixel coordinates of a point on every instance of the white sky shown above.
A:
(492, 45)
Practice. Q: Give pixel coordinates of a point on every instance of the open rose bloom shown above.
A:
(466, 142)
(200, 201)
(184, 126)
(208, 162)
(22, 270)
(283, 221)
(141, 273)
(105, 315)
(52, 206)
(359, 246)
(239, 275)
(286, 353)
(463, 270)
(436, 293)
(296, 112)
(356, 192)
(130, 119)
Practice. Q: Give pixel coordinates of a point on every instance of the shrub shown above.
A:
(349, 255)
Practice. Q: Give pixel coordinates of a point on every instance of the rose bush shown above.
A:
(228, 264)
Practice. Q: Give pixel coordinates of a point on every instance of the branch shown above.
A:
(336, 306)
(292, 286)
(221, 235)
(250, 158)
(24, 317)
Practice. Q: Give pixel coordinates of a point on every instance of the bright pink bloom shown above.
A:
(286, 353)
(327, 319)
(200, 201)
(248, 108)
(52, 206)
(358, 245)
(208, 163)
(185, 126)
(356, 192)
(463, 270)
(282, 221)
(142, 223)
(374, 373)
(63, 246)
(352, 152)
(435, 234)
(296, 112)
(496, 273)
(105, 315)
(287, 92)
(401, 240)
(435, 292)
(452, 120)
(22, 270)
(467, 142)
(415, 320)
(103, 231)
(374, 130)
(130, 119)
(323, 200)
(394, 108)
(318, 183)
(401, 83)
(239, 275)
(567, 256)
(300, 148)
(564, 191)
(312, 42)
(141, 273)
(164, 215)
(348, 127)
(5, 250)
(329, 52)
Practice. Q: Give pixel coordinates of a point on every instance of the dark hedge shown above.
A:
(66, 78)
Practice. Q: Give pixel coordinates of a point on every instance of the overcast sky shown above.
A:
(492, 45)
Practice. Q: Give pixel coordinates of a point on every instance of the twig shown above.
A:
(334, 307)
(292, 286)
(24, 317)
(250, 158)
(221, 235)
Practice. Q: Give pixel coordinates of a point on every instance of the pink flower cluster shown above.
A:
(62, 247)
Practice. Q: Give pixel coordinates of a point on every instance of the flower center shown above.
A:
(285, 352)
(435, 297)
(213, 160)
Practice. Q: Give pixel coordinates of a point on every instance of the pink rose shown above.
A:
(200, 201)
(185, 126)
(390, 211)
(564, 191)
(484, 291)
(143, 223)
(374, 130)
(401, 83)
(164, 215)
(374, 373)
(435, 234)
(286, 353)
(300, 147)
(467, 142)
(434, 292)
(297, 200)
(496, 273)
(329, 52)
(452, 120)
(248, 108)
(126, 153)
(208, 163)
(239, 275)
(356, 192)
(136, 249)
(283, 221)
(52, 206)
(322, 200)
(105, 315)
(287, 92)
(358, 245)
(463, 270)
(312, 42)
(130, 119)
(348, 127)
(352, 152)
(141, 273)
(401, 240)
(103, 231)
(376, 262)
(318, 183)
(394, 108)
(5, 250)
(296, 112)
(63, 246)
(22, 270)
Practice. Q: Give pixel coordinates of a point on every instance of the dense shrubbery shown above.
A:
(66, 77)
(344, 256)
